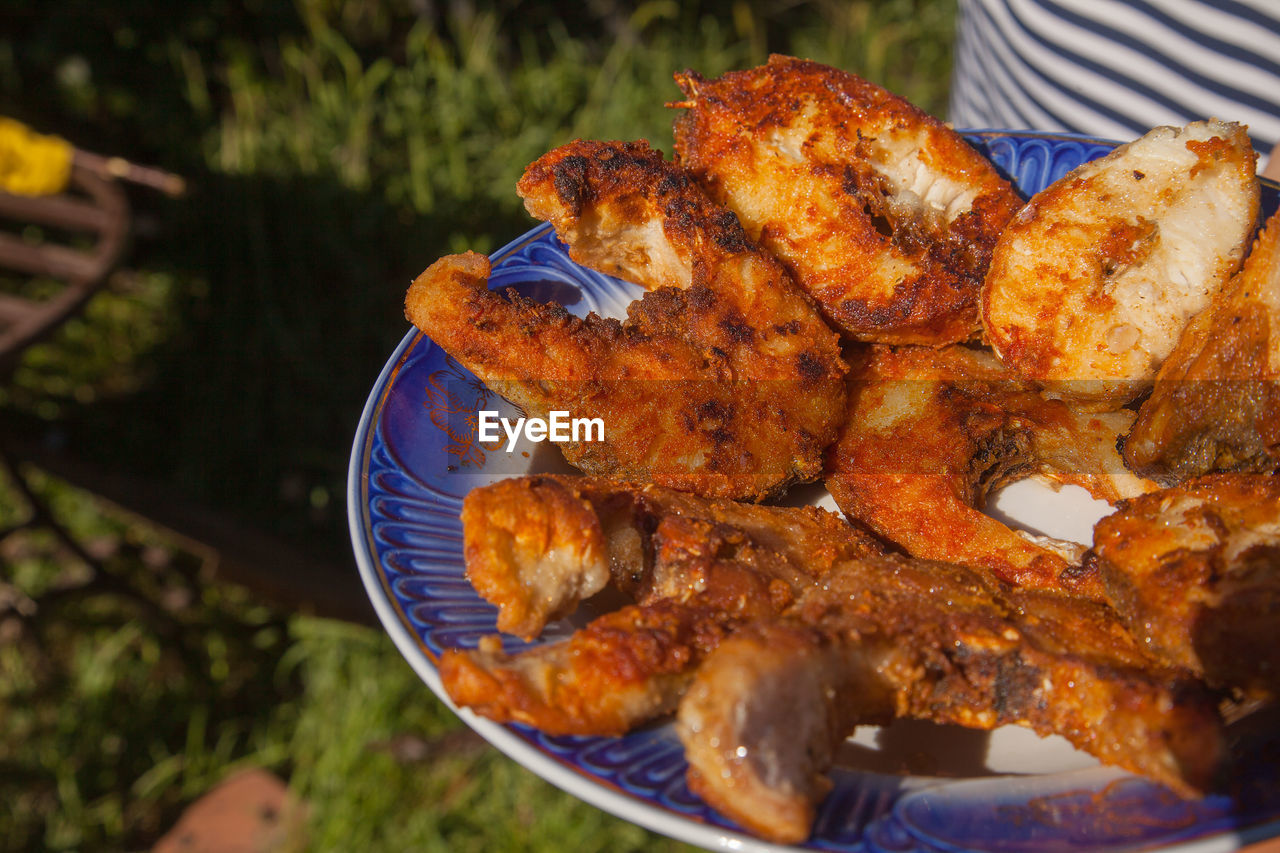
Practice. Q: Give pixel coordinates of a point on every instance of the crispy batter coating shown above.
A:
(1194, 570)
(624, 669)
(697, 567)
(728, 384)
(773, 631)
(1216, 401)
(931, 433)
(891, 637)
(1094, 279)
(881, 212)
(536, 546)
(778, 657)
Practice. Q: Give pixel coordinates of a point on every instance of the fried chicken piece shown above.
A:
(727, 383)
(536, 546)
(931, 433)
(1194, 570)
(893, 637)
(881, 212)
(1094, 279)
(1216, 401)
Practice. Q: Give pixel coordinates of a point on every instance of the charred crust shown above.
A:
(737, 329)
(810, 366)
(728, 233)
(569, 177)
(713, 410)
(721, 437)
(672, 182)
(682, 216)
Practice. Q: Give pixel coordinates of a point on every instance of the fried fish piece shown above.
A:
(1194, 571)
(536, 546)
(931, 433)
(1216, 401)
(697, 569)
(776, 656)
(728, 383)
(765, 714)
(1094, 279)
(881, 212)
(622, 670)
(887, 637)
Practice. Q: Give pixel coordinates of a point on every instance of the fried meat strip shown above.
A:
(726, 383)
(890, 637)
(1216, 401)
(777, 657)
(623, 669)
(698, 568)
(881, 212)
(1194, 570)
(1094, 279)
(536, 546)
(931, 433)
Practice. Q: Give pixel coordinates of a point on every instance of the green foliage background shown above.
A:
(334, 148)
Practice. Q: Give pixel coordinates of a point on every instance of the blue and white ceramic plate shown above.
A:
(907, 787)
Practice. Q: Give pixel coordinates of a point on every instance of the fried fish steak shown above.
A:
(889, 637)
(1093, 281)
(1216, 401)
(727, 383)
(932, 432)
(881, 212)
(1194, 570)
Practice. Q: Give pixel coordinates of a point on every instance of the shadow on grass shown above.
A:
(290, 301)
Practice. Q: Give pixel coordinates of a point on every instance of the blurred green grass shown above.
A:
(334, 149)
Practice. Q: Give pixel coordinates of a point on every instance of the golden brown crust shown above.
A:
(968, 653)
(1093, 280)
(729, 386)
(624, 669)
(895, 636)
(932, 432)
(1216, 401)
(536, 546)
(778, 629)
(889, 637)
(1194, 571)
(698, 567)
(881, 212)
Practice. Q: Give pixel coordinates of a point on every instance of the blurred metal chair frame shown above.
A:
(90, 205)
(94, 204)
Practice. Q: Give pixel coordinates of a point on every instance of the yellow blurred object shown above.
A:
(30, 163)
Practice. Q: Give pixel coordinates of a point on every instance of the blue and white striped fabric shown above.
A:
(1117, 69)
